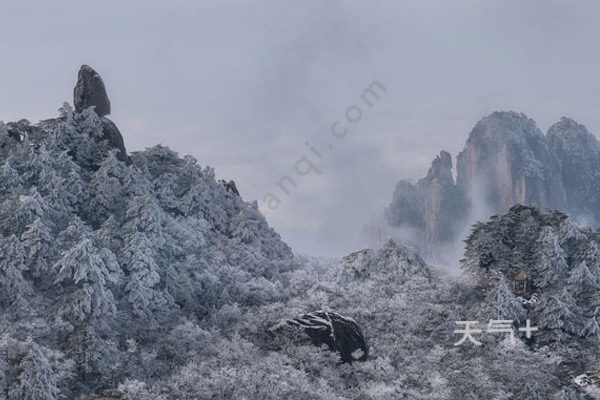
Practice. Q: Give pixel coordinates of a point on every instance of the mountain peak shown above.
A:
(569, 130)
(441, 166)
(502, 125)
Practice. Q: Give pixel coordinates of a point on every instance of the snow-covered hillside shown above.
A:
(140, 276)
(100, 256)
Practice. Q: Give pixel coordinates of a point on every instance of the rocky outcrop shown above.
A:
(341, 334)
(89, 91)
(506, 160)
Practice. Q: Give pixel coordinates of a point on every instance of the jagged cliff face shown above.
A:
(507, 160)
(430, 206)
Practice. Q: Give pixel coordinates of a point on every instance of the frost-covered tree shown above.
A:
(107, 186)
(550, 259)
(584, 285)
(10, 179)
(145, 215)
(509, 307)
(35, 380)
(15, 291)
(38, 167)
(561, 315)
(38, 241)
(591, 328)
(96, 356)
(142, 288)
(85, 273)
(28, 208)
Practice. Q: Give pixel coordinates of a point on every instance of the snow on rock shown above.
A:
(338, 332)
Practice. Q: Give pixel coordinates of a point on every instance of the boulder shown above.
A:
(340, 333)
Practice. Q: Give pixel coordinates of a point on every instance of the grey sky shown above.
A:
(243, 85)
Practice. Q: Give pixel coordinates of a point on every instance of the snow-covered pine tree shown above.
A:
(110, 235)
(85, 273)
(76, 193)
(551, 262)
(509, 307)
(584, 285)
(35, 378)
(561, 316)
(591, 328)
(26, 209)
(15, 291)
(96, 356)
(107, 187)
(10, 179)
(142, 289)
(38, 241)
(38, 163)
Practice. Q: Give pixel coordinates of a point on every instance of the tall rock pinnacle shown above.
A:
(90, 91)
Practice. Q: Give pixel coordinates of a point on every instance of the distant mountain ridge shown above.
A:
(506, 160)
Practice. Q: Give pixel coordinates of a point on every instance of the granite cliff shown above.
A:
(506, 160)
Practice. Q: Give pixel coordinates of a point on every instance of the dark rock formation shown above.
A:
(115, 139)
(341, 334)
(90, 91)
(506, 160)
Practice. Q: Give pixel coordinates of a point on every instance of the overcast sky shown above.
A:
(243, 86)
